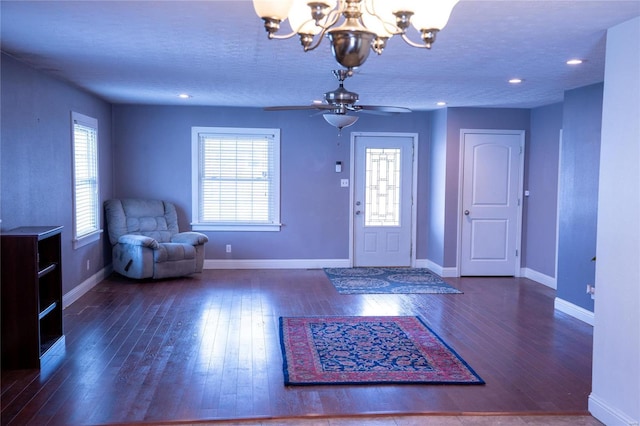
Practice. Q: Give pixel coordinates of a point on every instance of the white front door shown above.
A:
(490, 211)
(383, 187)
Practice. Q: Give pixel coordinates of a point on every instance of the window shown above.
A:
(382, 188)
(86, 203)
(235, 179)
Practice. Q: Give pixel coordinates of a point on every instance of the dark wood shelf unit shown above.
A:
(31, 295)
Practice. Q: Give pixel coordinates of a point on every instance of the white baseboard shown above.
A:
(442, 271)
(539, 277)
(574, 311)
(608, 415)
(78, 291)
(275, 263)
(310, 264)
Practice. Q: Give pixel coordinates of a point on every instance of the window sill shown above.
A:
(234, 228)
(87, 239)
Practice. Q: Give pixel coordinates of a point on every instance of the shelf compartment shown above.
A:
(46, 311)
(51, 344)
(48, 268)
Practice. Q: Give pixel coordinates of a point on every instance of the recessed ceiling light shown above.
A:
(515, 81)
(441, 103)
(184, 96)
(574, 61)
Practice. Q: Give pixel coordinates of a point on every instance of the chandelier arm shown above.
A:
(317, 39)
(413, 43)
(389, 27)
(312, 41)
(273, 36)
(332, 19)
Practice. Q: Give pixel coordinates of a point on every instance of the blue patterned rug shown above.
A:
(387, 280)
(368, 350)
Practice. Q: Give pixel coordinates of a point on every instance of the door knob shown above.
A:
(466, 212)
(358, 212)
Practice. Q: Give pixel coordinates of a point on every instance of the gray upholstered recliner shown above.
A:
(146, 241)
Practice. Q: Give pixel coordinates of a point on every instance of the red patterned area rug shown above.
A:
(368, 350)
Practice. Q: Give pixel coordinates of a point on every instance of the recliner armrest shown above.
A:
(138, 240)
(193, 238)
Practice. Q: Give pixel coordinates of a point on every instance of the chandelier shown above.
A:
(354, 27)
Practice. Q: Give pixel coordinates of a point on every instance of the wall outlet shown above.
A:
(344, 183)
(228, 248)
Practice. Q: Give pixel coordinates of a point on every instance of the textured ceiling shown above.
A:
(147, 52)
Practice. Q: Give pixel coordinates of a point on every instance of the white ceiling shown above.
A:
(147, 52)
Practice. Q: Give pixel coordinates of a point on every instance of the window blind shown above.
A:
(239, 179)
(86, 204)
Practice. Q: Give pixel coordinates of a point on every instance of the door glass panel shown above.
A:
(382, 187)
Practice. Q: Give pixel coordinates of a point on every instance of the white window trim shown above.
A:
(94, 235)
(196, 225)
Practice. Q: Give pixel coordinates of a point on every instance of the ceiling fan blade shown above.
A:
(289, 107)
(299, 107)
(381, 109)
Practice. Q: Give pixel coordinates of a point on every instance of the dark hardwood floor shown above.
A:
(207, 347)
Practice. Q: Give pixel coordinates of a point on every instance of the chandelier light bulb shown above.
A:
(300, 19)
(274, 9)
(432, 15)
(331, 4)
(378, 17)
(404, 5)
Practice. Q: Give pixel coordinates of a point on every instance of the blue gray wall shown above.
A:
(437, 186)
(470, 118)
(152, 151)
(145, 151)
(578, 194)
(36, 164)
(541, 179)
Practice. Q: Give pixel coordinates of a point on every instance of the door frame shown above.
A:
(459, 215)
(414, 189)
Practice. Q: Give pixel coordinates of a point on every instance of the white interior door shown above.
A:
(490, 216)
(382, 207)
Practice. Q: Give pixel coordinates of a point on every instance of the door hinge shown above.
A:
(516, 253)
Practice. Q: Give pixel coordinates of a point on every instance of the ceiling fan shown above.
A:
(340, 101)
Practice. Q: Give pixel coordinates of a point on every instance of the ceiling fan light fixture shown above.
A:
(340, 120)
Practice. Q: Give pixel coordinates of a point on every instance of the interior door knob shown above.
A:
(466, 212)
(358, 212)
